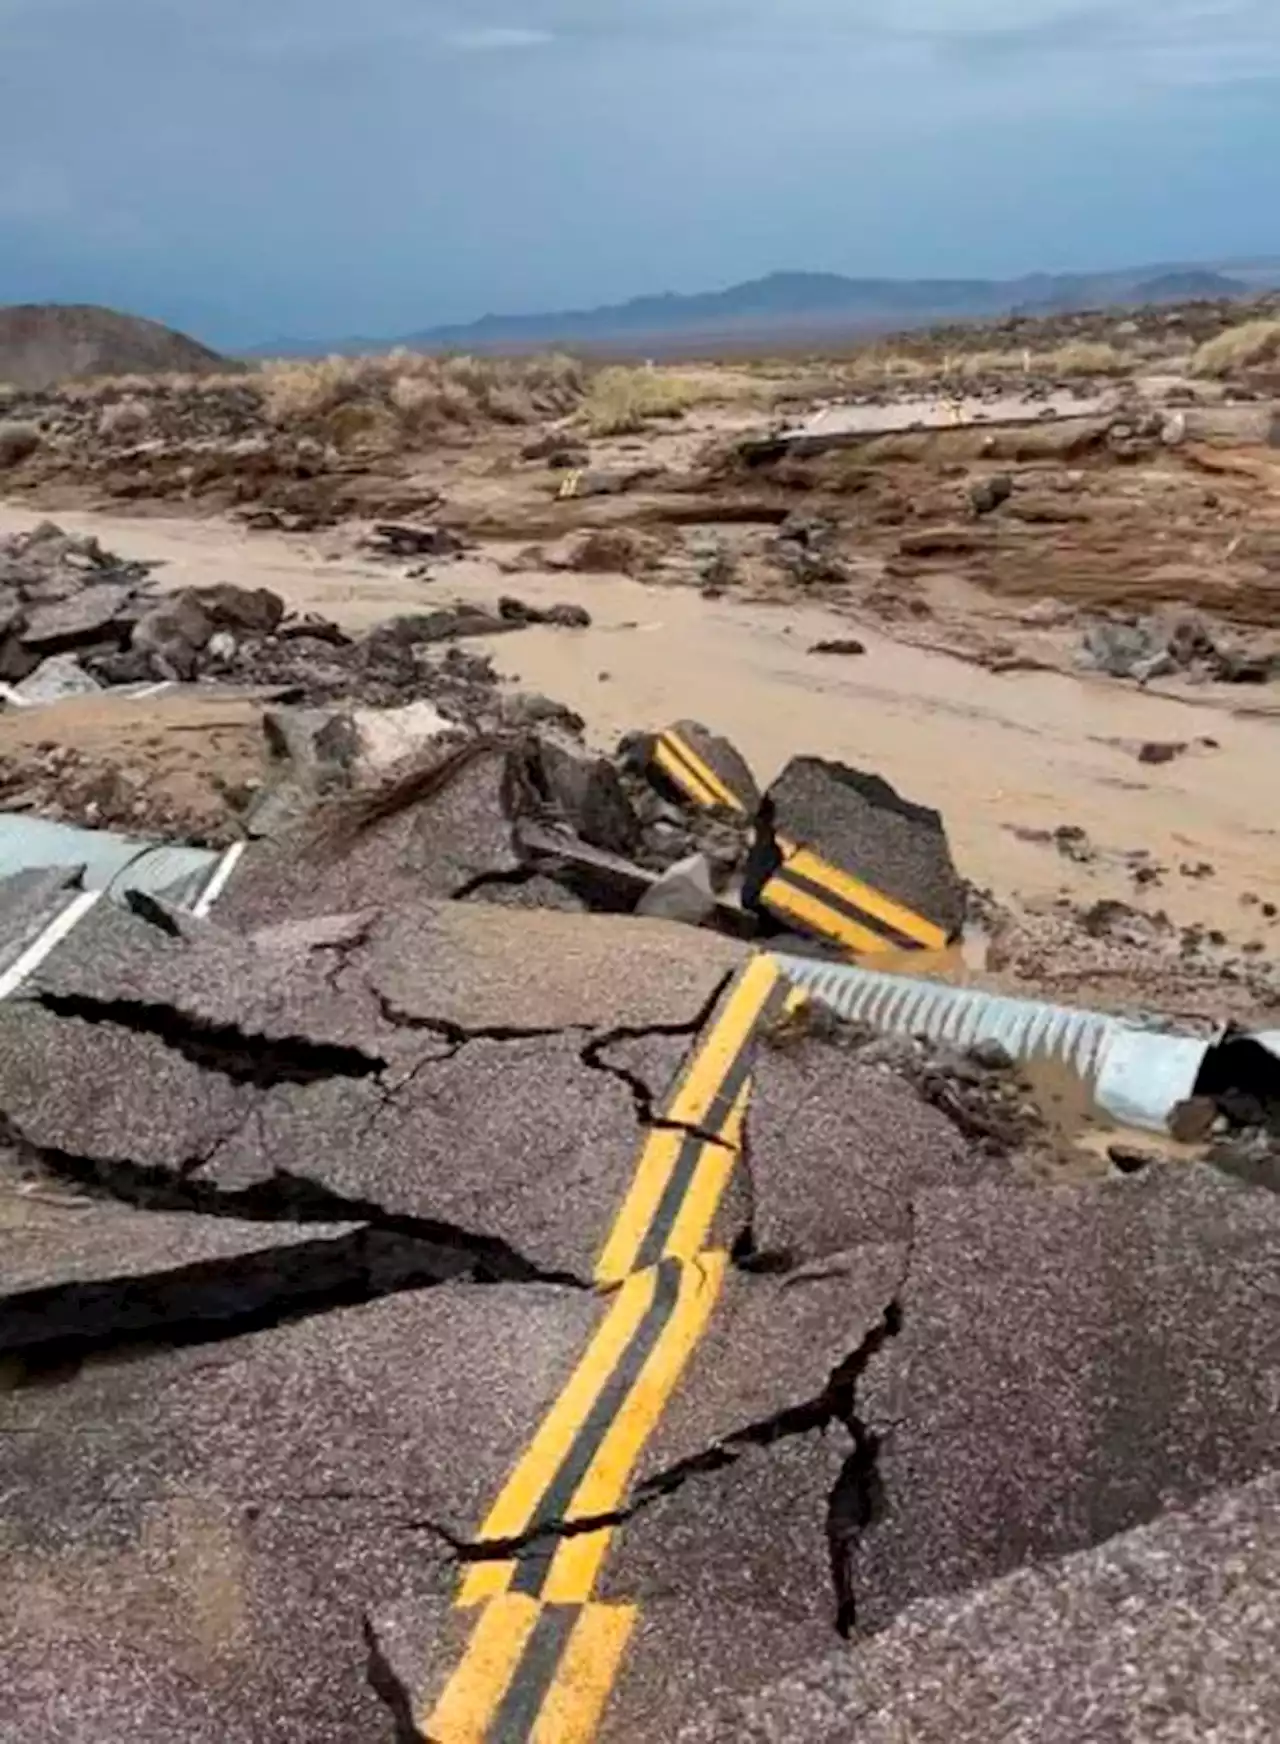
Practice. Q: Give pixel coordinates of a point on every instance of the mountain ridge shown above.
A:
(797, 301)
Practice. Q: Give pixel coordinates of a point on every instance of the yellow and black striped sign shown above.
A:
(543, 1656)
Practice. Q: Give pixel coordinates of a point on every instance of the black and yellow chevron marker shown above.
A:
(809, 892)
(543, 1656)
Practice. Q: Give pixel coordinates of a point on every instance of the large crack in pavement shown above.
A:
(282, 1198)
(853, 1505)
(244, 1056)
(857, 1500)
(45, 1330)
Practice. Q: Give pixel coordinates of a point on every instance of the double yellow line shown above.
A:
(542, 1656)
(806, 889)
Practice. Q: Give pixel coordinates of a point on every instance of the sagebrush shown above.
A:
(1249, 346)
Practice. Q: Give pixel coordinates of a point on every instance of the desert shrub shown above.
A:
(621, 401)
(1247, 346)
(18, 442)
(407, 397)
(1085, 357)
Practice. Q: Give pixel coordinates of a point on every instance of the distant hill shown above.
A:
(797, 305)
(45, 343)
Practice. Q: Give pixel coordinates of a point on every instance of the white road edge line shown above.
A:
(219, 879)
(53, 935)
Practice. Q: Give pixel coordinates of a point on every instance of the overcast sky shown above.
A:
(254, 168)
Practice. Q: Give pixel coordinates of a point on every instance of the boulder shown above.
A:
(173, 633)
(588, 792)
(61, 675)
(256, 610)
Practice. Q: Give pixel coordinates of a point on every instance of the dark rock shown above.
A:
(519, 612)
(1192, 1121)
(97, 614)
(1189, 641)
(11, 611)
(559, 455)
(16, 662)
(567, 616)
(847, 645)
(132, 666)
(987, 494)
(394, 540)
(1238, 666)
(1161, 751)
(173, 633)
(588, 792)
(1129, 1160)
(447, 625)
(254, 609)
(314, 629)
(530, 709)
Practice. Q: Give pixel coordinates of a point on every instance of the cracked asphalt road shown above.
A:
(422, 1317)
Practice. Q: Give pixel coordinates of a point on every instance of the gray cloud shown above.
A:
(321, 166)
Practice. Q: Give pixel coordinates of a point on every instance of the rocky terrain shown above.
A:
(639, 1091)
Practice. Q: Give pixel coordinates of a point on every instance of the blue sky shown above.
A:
(254, 168)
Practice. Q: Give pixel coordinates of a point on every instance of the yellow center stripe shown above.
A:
(493, 1665)
(575, 1701)
(471, 1699)
(514, 1510)
(571, 1708)
(691, 1106)
(872, 902)
(604, 1486)
(821, 918)
(683, 777)
(682, 763)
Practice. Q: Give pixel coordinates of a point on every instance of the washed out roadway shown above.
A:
(415, 1328)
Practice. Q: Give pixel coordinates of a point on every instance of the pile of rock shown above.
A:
(1153, 647)
(75, 619)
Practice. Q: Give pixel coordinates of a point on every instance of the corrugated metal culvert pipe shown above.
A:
(1137, 1076)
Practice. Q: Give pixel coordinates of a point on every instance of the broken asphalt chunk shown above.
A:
(221, 1519)
(839, 853)
(98, 615)
(1070, 1364)
(469, 969)
(838, 1150)
(1106, 1644)
(704, 769)
(587, 791)
(435, 832)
